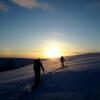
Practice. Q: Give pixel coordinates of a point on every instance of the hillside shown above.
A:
(79, 80)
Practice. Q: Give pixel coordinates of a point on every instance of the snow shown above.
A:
(79, 80)
(27, 71)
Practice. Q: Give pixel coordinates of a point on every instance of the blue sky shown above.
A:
(27, 25)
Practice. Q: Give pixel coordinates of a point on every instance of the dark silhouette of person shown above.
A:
(37, 71)
(62, 59)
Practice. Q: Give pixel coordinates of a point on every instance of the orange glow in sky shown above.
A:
(53, 52)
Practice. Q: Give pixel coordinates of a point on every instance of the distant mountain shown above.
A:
(13, 63)
(90, 55)
(85, 56)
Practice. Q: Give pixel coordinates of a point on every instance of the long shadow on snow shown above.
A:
(85, 83)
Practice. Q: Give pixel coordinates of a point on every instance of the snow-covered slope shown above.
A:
(27, 71)
(79, 80)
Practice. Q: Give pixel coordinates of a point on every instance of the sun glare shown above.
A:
(53, 53)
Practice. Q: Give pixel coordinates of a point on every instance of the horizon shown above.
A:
(76, 54)
(49, 28)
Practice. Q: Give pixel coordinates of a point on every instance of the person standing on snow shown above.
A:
(62, 59)
(37, 69)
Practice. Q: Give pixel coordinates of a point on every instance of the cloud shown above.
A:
(30, 4)
(3, 7)
(46, 6)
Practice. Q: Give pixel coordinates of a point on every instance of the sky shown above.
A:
(29, 28)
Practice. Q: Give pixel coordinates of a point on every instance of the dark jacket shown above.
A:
(38, 65)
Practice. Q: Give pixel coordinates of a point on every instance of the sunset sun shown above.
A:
(53, 52)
